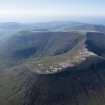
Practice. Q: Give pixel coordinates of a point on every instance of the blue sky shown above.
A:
(40, 10)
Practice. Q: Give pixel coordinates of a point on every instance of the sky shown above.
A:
(45, 10)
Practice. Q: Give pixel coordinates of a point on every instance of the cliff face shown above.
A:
(83, 83)
(95, 42)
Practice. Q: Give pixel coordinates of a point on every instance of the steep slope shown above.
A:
(28, 44)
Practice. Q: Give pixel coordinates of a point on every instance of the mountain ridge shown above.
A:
(53, 68)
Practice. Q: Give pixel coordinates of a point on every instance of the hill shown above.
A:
(53, 67)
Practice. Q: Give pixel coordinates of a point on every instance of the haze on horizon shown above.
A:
(45, 10)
